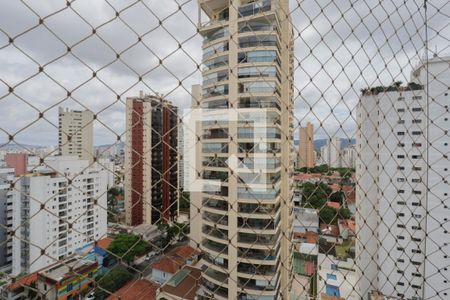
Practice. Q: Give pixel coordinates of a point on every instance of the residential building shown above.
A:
(349, 157)
(6, 179)
(55, 211)
(182, 286)
(76, 133)
(306, 157)
(330, 154)
(72, 278)
(402, 203)
(166, 267)
(336, 278)
(245, 150)
(151, 160)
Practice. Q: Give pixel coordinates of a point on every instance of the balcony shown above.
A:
(213, 218)
(258, 208)
(217, 276)
(214, 232)
(212, 7)
(252, 269)
(216, 204)
(254, 8)
(214, 246)
(259, 239)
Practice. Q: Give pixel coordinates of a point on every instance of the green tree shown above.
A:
(112, 281)
(345, 213)
(184, 201)
(128, 246)
(337, 197)
(328, 215)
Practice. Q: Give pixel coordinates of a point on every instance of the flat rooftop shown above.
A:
(65, 268)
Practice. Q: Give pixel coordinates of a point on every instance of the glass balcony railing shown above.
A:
(259, 254)
(258, 239)
(266, 194)
(215, 289)
(214, 246)
(214, 218)
(257, 269)
(250, 208)
(216, 275)
(254, 8)
(216, 204)
(215, 232)
(216, 34)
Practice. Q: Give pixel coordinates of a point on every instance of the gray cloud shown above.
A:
(340, 47)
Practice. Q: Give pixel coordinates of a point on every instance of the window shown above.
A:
(417, 109)
(416, 121)
(401, 133)
(416, 132)
(401, 110)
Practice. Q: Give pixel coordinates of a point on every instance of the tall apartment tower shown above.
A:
(306, 147)
(76, 133)
(245, 150)
(402, 193)
(151, 160)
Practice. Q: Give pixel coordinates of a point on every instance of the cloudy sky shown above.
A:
(340, 47)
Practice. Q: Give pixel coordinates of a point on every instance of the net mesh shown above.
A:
(215, 149)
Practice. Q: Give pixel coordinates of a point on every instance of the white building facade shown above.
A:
(76, 133)
(330, 154)
(402, 192)
(56, 211)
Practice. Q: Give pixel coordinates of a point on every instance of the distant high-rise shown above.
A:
(402, 245)
(151, 160)
(245, 146)
(330, 154)
(76, 133)
(306, 147)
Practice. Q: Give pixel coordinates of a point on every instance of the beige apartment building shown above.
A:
(306, 147)
(76, 133)
(243, 215)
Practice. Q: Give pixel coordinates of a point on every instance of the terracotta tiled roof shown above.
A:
(335, 205)
(311, 237)
(24, 281)
(175, 259)
(187, 288)
(168, 264)
(332, 230)
(104, 243)
(136, 290)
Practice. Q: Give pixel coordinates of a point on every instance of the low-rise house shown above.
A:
(336, 278)
(183, 285)
(347, 228)
(305, 219)
(164, 268)
(20, 288)
(142, 289)
(70, 279)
